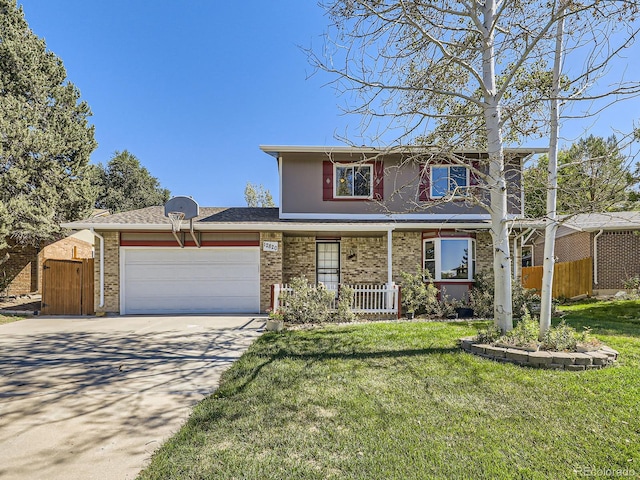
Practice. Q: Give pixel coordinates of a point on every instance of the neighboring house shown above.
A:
(611, 239)
(23, 269)
(346, 216)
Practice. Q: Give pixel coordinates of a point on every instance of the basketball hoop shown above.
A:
(176, 220)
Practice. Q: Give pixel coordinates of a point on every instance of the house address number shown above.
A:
(270, 246)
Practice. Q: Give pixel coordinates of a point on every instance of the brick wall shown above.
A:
(299, 258)
(568, 248)
(21, 269)
(407, 253)
(484, 253)
(618, 258)
(573, 247)
(111, 273)
(270, 267)
(363, 259)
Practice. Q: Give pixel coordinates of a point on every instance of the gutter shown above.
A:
(281, 226)
(595, 256)
(101, 265)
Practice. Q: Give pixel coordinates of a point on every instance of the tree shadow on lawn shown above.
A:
(321, 346)
(613, 318)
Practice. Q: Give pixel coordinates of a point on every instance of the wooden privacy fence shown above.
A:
(67, 287)
(570, 279)
(367, 299)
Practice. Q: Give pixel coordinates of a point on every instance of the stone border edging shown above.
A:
(573, 361)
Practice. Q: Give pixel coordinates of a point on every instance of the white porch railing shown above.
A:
(367, 299)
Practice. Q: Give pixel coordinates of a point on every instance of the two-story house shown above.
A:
(346, 216)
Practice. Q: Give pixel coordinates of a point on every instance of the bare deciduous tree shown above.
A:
(469, 75)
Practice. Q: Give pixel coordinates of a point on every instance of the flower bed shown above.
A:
(574, 361)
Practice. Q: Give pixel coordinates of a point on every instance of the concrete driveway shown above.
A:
(84, 398)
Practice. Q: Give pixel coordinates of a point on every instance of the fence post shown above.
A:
(273, 297)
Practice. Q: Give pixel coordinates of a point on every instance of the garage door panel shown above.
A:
(192, 275)
(169, 304)
(176, 280)
(230, 287)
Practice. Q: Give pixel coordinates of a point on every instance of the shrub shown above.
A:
(307, 303)
(480, 297)
(418, 293)
(632, 284)
(524, 334)
(488, 335)
(345, 300)
(585, 339)
(560, 338)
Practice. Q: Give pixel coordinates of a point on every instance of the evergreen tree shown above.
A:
(124, 184)
(45, 139)
(593, 176)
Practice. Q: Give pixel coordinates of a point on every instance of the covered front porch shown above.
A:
(370, 257)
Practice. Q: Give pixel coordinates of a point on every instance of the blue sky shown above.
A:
(192, 88)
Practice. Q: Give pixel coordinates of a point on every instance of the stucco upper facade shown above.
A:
(400, 184)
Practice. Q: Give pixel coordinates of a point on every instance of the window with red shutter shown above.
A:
(352, 181)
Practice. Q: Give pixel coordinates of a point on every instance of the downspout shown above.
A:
(390, 297)
(390, 256)
(595, 257)
(101, 266)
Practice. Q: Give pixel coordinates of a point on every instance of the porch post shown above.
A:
(390, 257)
(390, 303)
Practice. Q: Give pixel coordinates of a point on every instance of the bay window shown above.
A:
(450, 259)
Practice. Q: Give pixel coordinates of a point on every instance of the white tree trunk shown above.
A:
(551, 224)
(502, 307)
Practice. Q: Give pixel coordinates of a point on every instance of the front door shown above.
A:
(328, 264)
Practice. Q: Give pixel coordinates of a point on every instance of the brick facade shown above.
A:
(20, 270)
(111, 273)
(406, 254)
(568, 248)
(299, 258)
(270, 268)
(484, 253)
(618, 258)
(363, 260)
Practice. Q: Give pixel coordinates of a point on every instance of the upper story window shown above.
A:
(450, 258)
(448, 180)
(353, 181)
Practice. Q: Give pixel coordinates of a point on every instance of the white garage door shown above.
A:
(190, 280)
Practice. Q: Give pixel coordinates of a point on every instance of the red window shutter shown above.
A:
(425, 184)
(378, 180)
(473, 174)
(327, 180)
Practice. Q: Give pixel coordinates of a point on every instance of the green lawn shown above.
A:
(401, 401)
